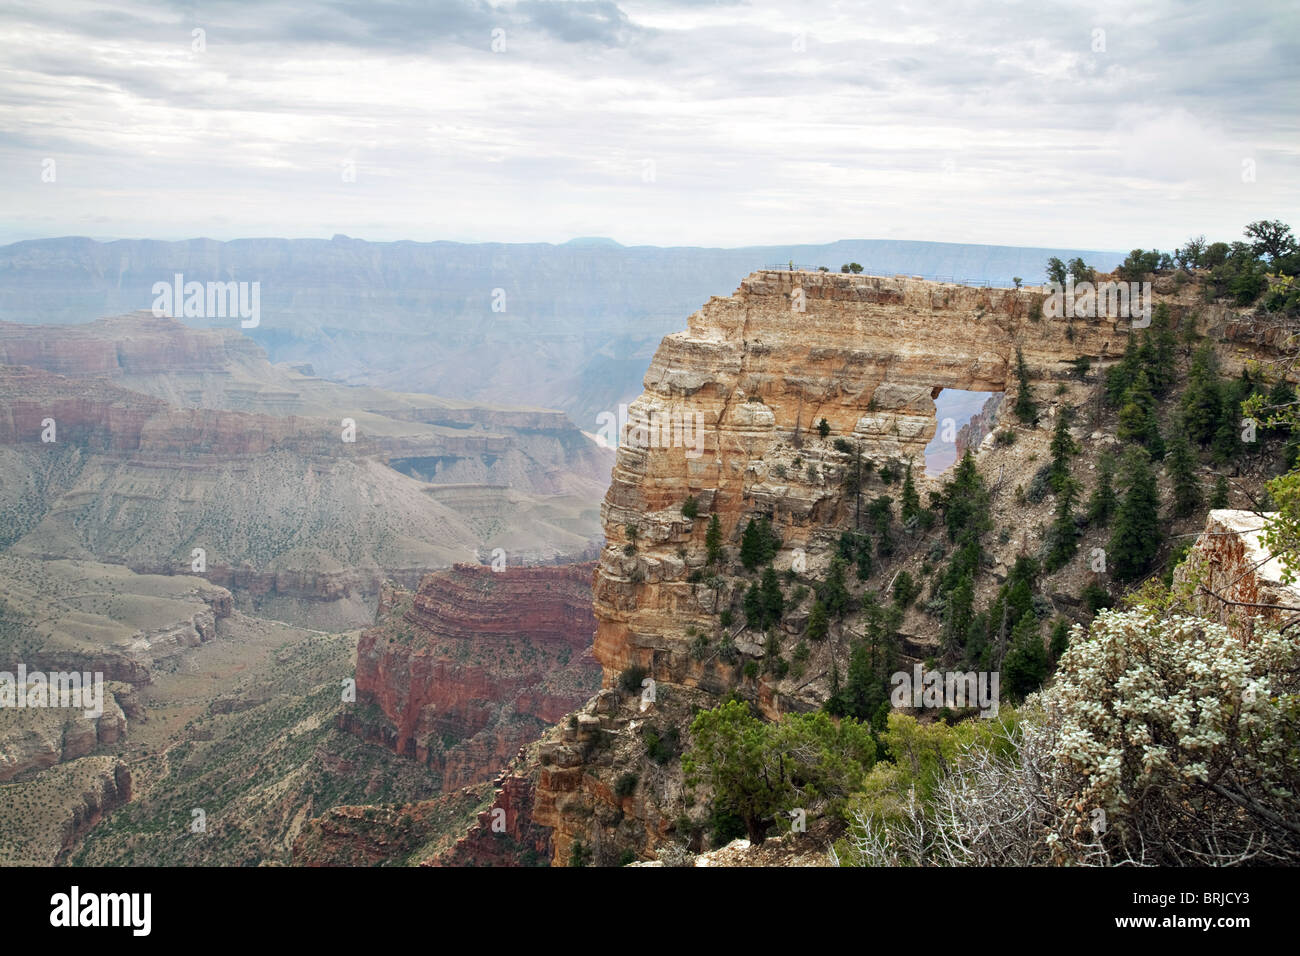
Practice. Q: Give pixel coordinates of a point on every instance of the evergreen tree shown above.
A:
(1025, 667)
(1015, 599)
(1102, 503)
(1060, 639)
(1025, 408)
(773, 601)
(966, 500)
(1220, 497)
(713, 540)
(1056, 271)
(1161, 347)
(818, 621)
(1063, 448)
(911, 506)
(1121, 375)
(1063, 538)
(834, 595)
(1228, 443)
(881, 515)
(1136, 535)
(958, 611)
(1138, 419)
(753, 605)
(1181, 466)
(758, 544)
(1202, 401)
(862, 556)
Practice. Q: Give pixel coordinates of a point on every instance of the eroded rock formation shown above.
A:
(1234, 578)
(475, 664)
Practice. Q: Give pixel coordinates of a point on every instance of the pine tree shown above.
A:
(758, 544)
(817, 621)
(966, 500)
(1161, 343)
(1060, 639)
(1063, 538)
(833, 593)
(1181, 466)
(1120, 376)
(1137, 534)
(911, 506)
(1102, 503)
(1063, 448)
(1220, 497)
(1025, 408)
(1202, 402)
(959, 609)
(1025, 667)
(773, 600)
(753, 605)
(1138, 420)
(881, 516)
(713, 540)
(862, 556)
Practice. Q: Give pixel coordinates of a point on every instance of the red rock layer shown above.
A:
(476, 664)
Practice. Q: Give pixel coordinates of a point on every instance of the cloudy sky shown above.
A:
(1087, 125)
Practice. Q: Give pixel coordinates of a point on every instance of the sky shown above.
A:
(1102, 125)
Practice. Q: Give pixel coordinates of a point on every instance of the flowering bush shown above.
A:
(1162, 740)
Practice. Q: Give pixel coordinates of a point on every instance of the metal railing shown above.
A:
(952, 279)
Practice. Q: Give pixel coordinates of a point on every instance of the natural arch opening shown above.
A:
(962, 418)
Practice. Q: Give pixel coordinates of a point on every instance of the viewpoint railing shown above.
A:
(954, 279)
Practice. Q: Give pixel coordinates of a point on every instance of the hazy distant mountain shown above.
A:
(573, 328)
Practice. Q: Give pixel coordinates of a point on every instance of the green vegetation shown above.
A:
(759, 771)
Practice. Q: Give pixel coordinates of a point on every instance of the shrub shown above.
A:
(1095, 597)
(662, 748)
(625, 785)
(579, 855)
(700, 647)
(758, 770)
(631, 678)
(1040, 485)
(1162, 741)
(823, 428)
(690, 508)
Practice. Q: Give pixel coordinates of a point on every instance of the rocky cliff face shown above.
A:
(759, 371)
(866, 354)
(1232, 576)
(36, 739)
(474, 664)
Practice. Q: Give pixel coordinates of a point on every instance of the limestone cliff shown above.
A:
(867, 354)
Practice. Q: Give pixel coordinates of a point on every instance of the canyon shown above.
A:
(475, 664)
(136, 440)
(504, 715)
(578, 321)
(765, 367)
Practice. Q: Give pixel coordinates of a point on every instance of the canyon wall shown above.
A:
(866, 354)
(475, 664)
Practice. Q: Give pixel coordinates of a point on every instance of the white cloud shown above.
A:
(999, 124)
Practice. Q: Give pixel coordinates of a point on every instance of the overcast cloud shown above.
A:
(1087, 125)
